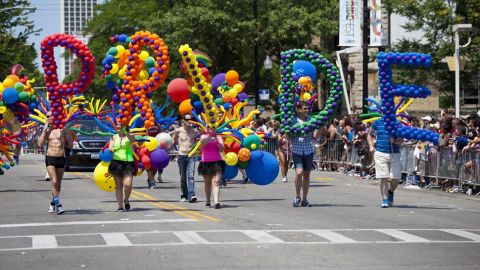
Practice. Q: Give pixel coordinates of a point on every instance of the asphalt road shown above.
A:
(256, 229)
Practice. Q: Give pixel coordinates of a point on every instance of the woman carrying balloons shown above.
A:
(122, 166)
(212, 165)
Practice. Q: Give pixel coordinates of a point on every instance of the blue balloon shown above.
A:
(10, 95)
(106, 155)
(230, 172)
(262, 168)
(304, 68)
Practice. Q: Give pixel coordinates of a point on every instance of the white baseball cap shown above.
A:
(428, 118)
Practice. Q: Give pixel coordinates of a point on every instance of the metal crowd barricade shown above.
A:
(272, 145)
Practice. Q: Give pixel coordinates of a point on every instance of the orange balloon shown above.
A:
(244, 154)
(232, 77)
(185, 107)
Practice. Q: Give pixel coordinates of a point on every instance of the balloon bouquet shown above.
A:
(138, 75)
(18, 99)
(242, 149)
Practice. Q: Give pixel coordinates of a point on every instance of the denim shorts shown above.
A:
(304, 162)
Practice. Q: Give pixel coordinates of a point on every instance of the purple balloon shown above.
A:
(217, 81)
(159, 159)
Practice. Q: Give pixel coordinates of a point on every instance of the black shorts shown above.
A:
(211, 168)
(120, 169)
(57, 162)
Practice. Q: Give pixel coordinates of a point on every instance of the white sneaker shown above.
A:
(51, 209)
(60, 209)
(183, 199)
(285, 180)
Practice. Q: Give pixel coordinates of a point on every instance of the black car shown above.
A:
(84, 154)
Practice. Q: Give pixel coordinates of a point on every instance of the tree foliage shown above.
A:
(224, 29)
(15, 28)
(435, 19)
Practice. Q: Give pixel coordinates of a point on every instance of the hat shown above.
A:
(427, 118)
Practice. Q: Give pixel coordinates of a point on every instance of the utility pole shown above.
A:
(366, 40)
(256, 72)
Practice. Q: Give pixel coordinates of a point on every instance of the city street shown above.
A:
(257, 228)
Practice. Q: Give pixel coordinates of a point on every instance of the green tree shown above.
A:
(15, 28)
(435, 19)
(225, 30)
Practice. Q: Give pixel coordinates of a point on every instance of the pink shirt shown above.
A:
(210, 152)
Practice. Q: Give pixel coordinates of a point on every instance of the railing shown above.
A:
(435, 164)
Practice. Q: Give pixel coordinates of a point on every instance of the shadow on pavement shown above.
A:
(24, 190)
(337, 205)
(422, 207)
(254, 200)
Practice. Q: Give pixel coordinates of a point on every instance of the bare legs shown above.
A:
(302, 182)
(212, 183)
(387, 185)
(123, 189)
(56, 175)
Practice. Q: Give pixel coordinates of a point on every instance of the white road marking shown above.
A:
(121, 239)
(406, 237)
(333, 237)
(190, 237)
(44, 241)
(262, 237)
(99, 222)
(464, 234)
(116, 239)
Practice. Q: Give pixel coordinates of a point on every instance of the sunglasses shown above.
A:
(303, 109)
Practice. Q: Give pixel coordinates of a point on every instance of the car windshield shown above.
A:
(84, 126)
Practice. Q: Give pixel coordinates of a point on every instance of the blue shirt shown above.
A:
(383, 139)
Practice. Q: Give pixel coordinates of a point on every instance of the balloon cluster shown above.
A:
(229, 90)
(201, 87)
(298, 63)
(58, 90)
(18, 96)
(140, 74)
(389, 90)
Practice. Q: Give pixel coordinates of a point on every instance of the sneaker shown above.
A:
(390, 198)
(119, 210)
(245, 180)
(306, 203)
(193, 199)
(51, 209)
(296, 202)
(127, 205)
(224, 182)
(47, 179)
(384, 204)
(218, 206)
(151, 184)
(208, 204)
(60, 209)
(285, 180)
(183, 199)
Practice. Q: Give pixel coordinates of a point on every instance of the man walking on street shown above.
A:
(303, 148)
(184, 137)
(57, 139)
(387, 160)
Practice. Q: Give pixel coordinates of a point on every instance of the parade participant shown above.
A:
(152, 132)
(283, 152)
(184, 137)
(302, 154)
(387, 160)
(122, 166)
(56, 139)
(212, 166)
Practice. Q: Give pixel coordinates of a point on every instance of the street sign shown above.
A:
(264, 94)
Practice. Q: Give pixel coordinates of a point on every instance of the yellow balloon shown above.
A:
(306, 96)
(122, 72)
(231, 159)
(233, 93)
(152, 144)
(1, 88)
(143, 55)
(238, 87)
(120, 51)
(7, 83)
(102, 178)
(114, 69)
(143, 75)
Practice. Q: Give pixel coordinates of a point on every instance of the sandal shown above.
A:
(208, 204)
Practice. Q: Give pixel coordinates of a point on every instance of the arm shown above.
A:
(204, 139)
(220, 145)
(370, 137)
(68, 139)
(42, 139)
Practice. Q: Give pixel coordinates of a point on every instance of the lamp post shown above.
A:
(456, 29)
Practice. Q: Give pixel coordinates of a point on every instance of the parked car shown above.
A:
(84, 154)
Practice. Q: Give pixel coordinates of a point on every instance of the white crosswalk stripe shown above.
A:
(281, 237)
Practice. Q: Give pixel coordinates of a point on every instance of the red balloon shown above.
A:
(147, 163)
(234, 147)
(177, 90)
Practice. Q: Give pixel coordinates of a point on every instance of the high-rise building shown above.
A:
(74, 15)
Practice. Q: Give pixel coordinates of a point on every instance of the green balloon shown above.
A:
(128, 40)
(33, 98)
(18, 86)
(218, 101)
(109, 77)
(23, 96)
(150, 62)
(112, 51)
(242, 164)
(252, 142)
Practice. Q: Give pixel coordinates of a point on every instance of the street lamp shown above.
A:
(460, 28)
(267, 63)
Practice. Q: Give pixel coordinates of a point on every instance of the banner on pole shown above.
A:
(377, 35)
(350, 23)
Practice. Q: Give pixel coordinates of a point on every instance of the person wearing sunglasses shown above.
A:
(303, 148)
(56, 140)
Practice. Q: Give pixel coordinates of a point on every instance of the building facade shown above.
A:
(74, 15)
